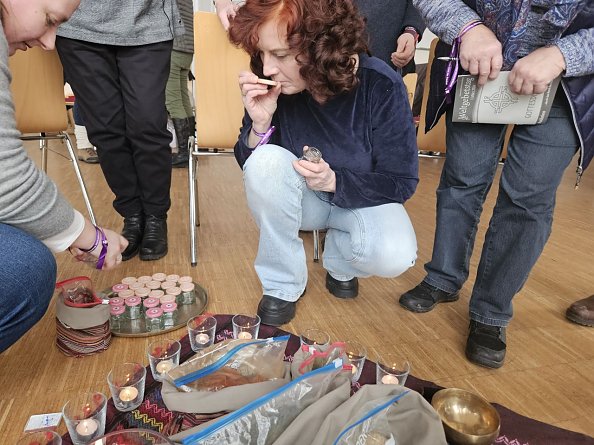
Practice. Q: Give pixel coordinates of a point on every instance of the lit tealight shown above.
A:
(202, 339)
(389, 380)
(128, 393)
(244, 335)
(354, 369)
(164, 366)
(87, 427)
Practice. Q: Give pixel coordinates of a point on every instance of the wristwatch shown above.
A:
(412, 31)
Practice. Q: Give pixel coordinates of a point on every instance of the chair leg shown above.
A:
(43, 148)
(316, 243)
(192, 180)
(79, 176)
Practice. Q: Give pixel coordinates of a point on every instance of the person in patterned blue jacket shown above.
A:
(537, 41)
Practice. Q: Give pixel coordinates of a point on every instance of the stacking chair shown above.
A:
(219, 108)
(38, 94)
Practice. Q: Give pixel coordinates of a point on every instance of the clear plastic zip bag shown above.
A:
(262, 421)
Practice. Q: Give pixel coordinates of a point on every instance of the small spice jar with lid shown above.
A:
(144, 279)
(185, 279)
(154, 319)
(188, 294)
(150, 303)
(167, 285)
(173, 278)
(133, 308)
(175, 291)
(116, 316)
(119, 287)
(116, 301)
(167, 298)
(169, 314)
(154, 284)
(129, 280)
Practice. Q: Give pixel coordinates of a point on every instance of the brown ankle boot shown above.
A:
(582, 311)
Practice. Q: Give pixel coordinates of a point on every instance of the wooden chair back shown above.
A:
(219, 108)
(38, 91)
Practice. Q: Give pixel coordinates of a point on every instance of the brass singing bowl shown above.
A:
(467, 418)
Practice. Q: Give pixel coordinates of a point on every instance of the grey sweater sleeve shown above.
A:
(445, 18)
(29, 200)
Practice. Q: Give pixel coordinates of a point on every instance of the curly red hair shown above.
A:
(324, 33)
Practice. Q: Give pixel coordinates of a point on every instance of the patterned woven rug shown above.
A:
(152, 414)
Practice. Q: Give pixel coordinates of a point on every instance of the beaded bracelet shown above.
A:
(451, 75)
(99, 238)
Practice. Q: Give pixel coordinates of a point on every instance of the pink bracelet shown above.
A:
(266, 136)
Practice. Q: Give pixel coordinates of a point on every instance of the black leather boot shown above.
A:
(133, 231)
(154, 241)
(182, 132)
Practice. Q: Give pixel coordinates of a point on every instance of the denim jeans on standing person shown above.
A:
(521, 223)
(359, 242)
(27, 281)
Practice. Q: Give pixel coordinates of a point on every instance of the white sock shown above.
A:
(82, 140)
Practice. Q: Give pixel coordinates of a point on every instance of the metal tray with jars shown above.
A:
(138, 327)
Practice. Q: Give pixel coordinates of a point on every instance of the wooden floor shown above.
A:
(549, 372)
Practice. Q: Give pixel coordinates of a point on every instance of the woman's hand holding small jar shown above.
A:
(115, 245)
(318, 175)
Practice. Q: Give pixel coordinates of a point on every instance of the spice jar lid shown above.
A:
(154, 284)
(159, 276)
(185, 279)
(167, 298)
(119, 287)
(173, 277)
(133, 301)
(142, 292)
(145, 279)
(117, 310)
(136, 285)
(154, 312)
(169, 307)
(173, 291)
(167, 285)
(126, 293)
(187, 287)
(151, 302)
(157, 293)
(129, 280)
(116, 301)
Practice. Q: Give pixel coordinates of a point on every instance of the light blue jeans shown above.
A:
(359, 242)
(27, 281)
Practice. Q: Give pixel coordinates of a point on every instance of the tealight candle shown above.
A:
(164, 366)
(354, 369)
(202, 339)
(128, 393)
(389, 380)
(244, 335)
(87, 428)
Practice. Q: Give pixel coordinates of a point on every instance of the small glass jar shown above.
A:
(150, 303)
(144, 279)
(133, 308)
(116, 301)
(154, 319)
(126, 293)
(167, 298)
(188, 294)
(169, 314)
(116, 317)
(176, 292)
(143, 292)
(157, 293)
(159, 276)
(119, 287)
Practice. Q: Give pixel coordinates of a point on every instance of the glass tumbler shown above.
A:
(126, 383)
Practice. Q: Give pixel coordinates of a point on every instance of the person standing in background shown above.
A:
(536, 42)
(116, 56)
(394, 27)
(177, 98)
